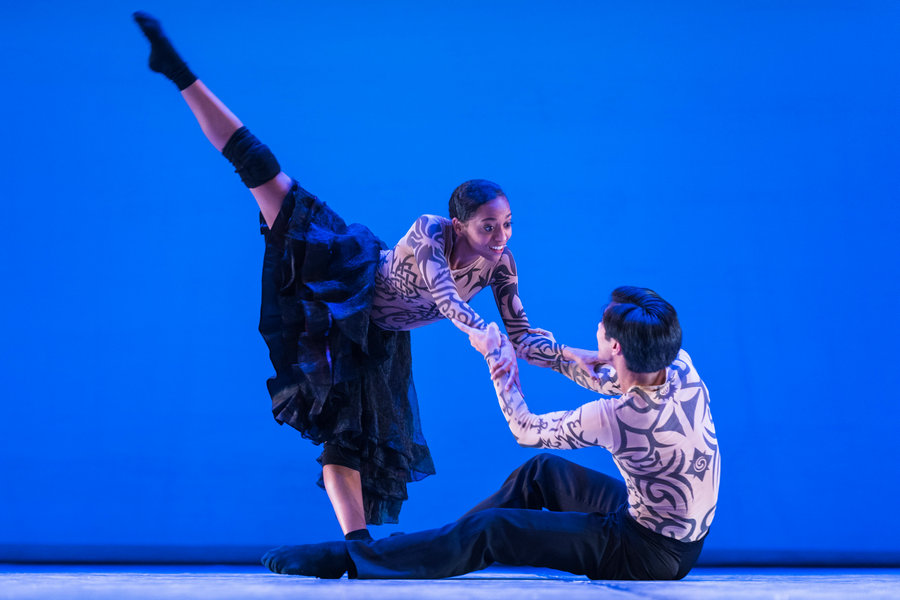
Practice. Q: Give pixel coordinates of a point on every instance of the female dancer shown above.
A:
(337, 307)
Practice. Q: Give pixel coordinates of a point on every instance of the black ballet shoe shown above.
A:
(328, 560)
(163, 57)
(359, 535)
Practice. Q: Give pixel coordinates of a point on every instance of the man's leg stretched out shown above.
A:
(575, 542)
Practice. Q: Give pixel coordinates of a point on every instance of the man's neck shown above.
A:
(629, 379)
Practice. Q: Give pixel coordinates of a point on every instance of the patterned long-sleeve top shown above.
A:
(662, 439)
(415, 286)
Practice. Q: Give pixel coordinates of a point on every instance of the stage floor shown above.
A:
(132, 582)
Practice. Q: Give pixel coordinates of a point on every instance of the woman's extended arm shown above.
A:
(581, 366)
(537, 346)
(525, 340)
(599, 378)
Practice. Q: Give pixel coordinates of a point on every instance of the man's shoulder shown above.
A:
(683, 362)
(683, 370)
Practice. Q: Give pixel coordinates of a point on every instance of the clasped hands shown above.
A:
(498, 351)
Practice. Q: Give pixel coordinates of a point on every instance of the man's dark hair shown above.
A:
(646, 327)
(468, 196)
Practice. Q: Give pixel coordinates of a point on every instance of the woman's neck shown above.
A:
(461, 254)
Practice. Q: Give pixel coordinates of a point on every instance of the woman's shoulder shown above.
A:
(504, 269)
(507, 261)
(433, 226)
(434, 220)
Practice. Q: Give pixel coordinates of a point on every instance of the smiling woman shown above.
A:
(337, 307)
(440, 264)
(481, 215)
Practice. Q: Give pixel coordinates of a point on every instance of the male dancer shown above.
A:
(660, 432)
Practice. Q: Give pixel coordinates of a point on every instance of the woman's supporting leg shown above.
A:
(267, 182)
(340, 474)
(345, 492)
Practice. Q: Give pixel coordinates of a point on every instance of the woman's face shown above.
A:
(489, 229)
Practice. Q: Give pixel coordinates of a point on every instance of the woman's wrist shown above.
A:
(495, 353)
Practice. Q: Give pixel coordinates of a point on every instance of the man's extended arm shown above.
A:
(584, 426)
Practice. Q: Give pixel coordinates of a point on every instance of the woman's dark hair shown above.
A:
(646, 327)
(468, 196)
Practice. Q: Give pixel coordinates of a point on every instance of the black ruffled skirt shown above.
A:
(338, 377)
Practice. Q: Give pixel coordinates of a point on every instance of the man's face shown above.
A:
(604, 345)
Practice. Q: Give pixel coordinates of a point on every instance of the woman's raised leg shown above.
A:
(254, 161)
(260, 172)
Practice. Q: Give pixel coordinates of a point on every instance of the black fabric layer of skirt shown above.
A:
(338, 377)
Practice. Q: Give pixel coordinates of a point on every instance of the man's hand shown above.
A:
(506, 363)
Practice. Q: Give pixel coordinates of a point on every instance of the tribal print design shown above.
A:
(662, 439)
(415, 286)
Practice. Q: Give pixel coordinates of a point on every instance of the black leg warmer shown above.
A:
(252, 159)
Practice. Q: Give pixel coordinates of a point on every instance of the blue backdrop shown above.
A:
(739, 158)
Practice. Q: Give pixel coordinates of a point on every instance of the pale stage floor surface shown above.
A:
(132, 582)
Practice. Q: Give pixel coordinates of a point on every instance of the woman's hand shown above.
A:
(587, 360)
(491, 344)
(485, 340)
